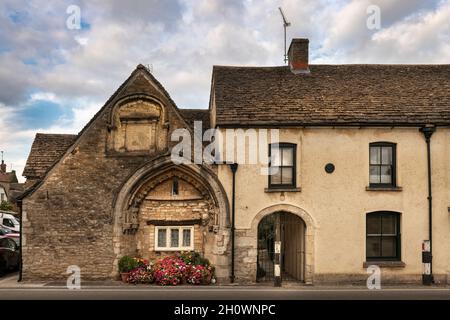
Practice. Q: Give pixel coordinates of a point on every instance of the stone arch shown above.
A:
(152, 173)
(133, 98)
(311, 227)
(137, 123)
(158, 179)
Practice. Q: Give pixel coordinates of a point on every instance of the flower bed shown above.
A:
(188, 267)
(169, 271)
(199, 274)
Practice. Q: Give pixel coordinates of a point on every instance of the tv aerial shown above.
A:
(285, 25)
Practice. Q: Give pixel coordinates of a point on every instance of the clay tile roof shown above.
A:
(333, 95)
(46, 149)
(8, 177)
(191, 115)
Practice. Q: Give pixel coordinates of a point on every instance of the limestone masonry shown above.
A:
(113, 190)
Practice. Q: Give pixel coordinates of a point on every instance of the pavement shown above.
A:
(10, 289)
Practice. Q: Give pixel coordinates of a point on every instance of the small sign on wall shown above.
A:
(277, 246)
(277, 272)
(426, 247)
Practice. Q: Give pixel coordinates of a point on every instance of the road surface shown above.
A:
(10, 289)
(236, 293)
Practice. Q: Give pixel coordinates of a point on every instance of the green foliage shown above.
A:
(6, 206)
(194, 258)
(126, 264)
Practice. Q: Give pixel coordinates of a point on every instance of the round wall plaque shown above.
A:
(329, 168)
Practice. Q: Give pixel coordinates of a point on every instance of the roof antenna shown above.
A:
(285, 25)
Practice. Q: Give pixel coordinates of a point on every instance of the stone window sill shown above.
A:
(397, 189)
(385, 264)
(271, 190)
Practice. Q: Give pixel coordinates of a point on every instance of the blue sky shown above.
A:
(54, 78)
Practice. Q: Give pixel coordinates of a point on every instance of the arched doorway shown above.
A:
(154, 181)
(292, 231)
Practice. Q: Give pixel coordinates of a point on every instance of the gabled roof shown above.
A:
(46, 149)
(407, 95)
(191, 115)
(122, 91)
(8, 177)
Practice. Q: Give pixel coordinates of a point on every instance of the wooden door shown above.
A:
(293, 246)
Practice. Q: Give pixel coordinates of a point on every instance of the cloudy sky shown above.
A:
(53, 78)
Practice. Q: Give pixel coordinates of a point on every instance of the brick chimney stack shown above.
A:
(299, 56)
(3, 167)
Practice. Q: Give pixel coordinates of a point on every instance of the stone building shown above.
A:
(10, 188)
(348, 189)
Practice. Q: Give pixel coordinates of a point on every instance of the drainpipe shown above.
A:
(233, 167)
(19, 203)
(428, 132)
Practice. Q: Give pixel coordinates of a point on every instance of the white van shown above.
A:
(9, 222)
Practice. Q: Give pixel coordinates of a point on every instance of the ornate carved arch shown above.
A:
(138, 196)
(134, 98)
(149, 176)
(137, 124)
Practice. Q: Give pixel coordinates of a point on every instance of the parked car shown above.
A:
(9, 254)
(4, 232)
(8, 221)
(10, 234)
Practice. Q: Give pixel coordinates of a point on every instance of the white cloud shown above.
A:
(411, 32)
(83, 41)
(44, 96)
(80, 69)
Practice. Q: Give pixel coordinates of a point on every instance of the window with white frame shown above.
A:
(174, 238)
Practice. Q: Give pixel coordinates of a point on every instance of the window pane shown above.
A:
(274, 170)
(286, 175)
(275, 178)
(389, 225)
(374, 176)
(373, 224)
(174, 238)
(275, 156)
(386, 174)
(288, 156)
(374, 155)
(162, 233)
(373, 247)
(386, 155)
(186, 237)
(8, 223)
(175, 186)
(389, 246)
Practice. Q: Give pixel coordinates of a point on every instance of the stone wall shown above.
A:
(162, 207)
(246, 254)
(69, 219)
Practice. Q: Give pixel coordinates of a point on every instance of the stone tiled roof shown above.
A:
(333, 95)
(46, 149)
(15, 190)
(191, 115)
